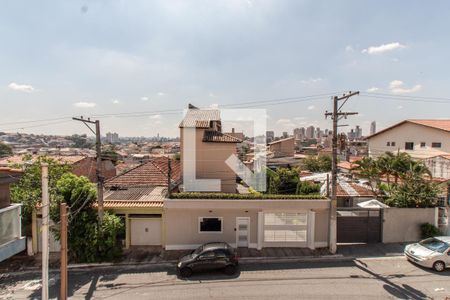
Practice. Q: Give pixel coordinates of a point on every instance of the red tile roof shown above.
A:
(151, 173)
(219, 137)
(437, 124)
(347, 165)
(200, 118)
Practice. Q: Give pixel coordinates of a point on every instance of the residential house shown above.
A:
(419, 138)
(283, 148)
(240, 221)
(11, 239)
(138, 196)
(207, 148)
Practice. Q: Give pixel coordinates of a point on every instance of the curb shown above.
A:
(172, 263)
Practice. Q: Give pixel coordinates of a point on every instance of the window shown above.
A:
(388, 144)
(409, 146)
(207, 255)
(210, 225)
(393, 144)
(436, 145)
(422, 144)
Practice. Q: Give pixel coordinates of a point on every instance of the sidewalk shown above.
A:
(156, 255)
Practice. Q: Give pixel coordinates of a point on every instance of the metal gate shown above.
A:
(359, 225)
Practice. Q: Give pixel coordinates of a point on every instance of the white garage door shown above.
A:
(145, 232)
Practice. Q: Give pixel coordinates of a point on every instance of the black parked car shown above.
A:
(210, 256)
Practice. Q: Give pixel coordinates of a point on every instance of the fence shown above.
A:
(403, 224)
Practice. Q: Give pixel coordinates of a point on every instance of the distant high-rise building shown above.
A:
(358, 132)
(285, 134)
(270, 136)
(373, 127)
(310, 132)
(112, 137)
(299, 133)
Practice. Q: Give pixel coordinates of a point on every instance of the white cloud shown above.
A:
(395, 84)
(21, 87)
(161, 94)
(383, 48)
(85, 104)
(311, 80)
(397, 87)
(212, 95)
(349, 48)
(115, 101)
(372, 89)
(145, 98)
(311, 107)
(399, 107)
(155, 117)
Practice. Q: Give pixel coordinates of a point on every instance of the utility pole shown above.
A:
(98, 148)
(169, 175)
(336, 115)
(63, 239)
(45, 223)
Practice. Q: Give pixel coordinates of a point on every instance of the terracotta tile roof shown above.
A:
(200, 118)
(346, 165)
(352, 189)
(18, 159)
(219, 137)
(9, 175)
(437, 124)
(151, 173)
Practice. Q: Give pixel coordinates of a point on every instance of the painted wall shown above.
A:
(409, 132)
(210, 160)
(182, 227)
(403, 224)
(181, 220)
(439, 166)
(283, 148)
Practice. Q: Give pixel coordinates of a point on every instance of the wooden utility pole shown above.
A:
(98, 148)
(63, 239)
(335, 116)
(45, 229)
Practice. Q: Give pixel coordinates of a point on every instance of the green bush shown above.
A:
(307, 188)
(428, 230)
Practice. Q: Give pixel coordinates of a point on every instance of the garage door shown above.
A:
(145, 232)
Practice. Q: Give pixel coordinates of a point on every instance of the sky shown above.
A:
(60, 59)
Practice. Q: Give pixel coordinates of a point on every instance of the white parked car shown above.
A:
(430, 253)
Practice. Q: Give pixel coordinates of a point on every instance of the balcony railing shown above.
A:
(10, 223)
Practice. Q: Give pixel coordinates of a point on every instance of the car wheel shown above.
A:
(439, 266)
(185, 272)
(230, 270)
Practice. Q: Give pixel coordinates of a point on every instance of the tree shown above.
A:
(5, 150)
(286, 181)
(88, 241)
(411, 186)
(28, 190)
(80, 141)
(320, 163)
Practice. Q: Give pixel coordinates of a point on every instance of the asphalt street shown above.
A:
(375, 278)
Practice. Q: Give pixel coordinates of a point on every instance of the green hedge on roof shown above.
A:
(195, 195)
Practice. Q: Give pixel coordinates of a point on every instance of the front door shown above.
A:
(242, 231)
